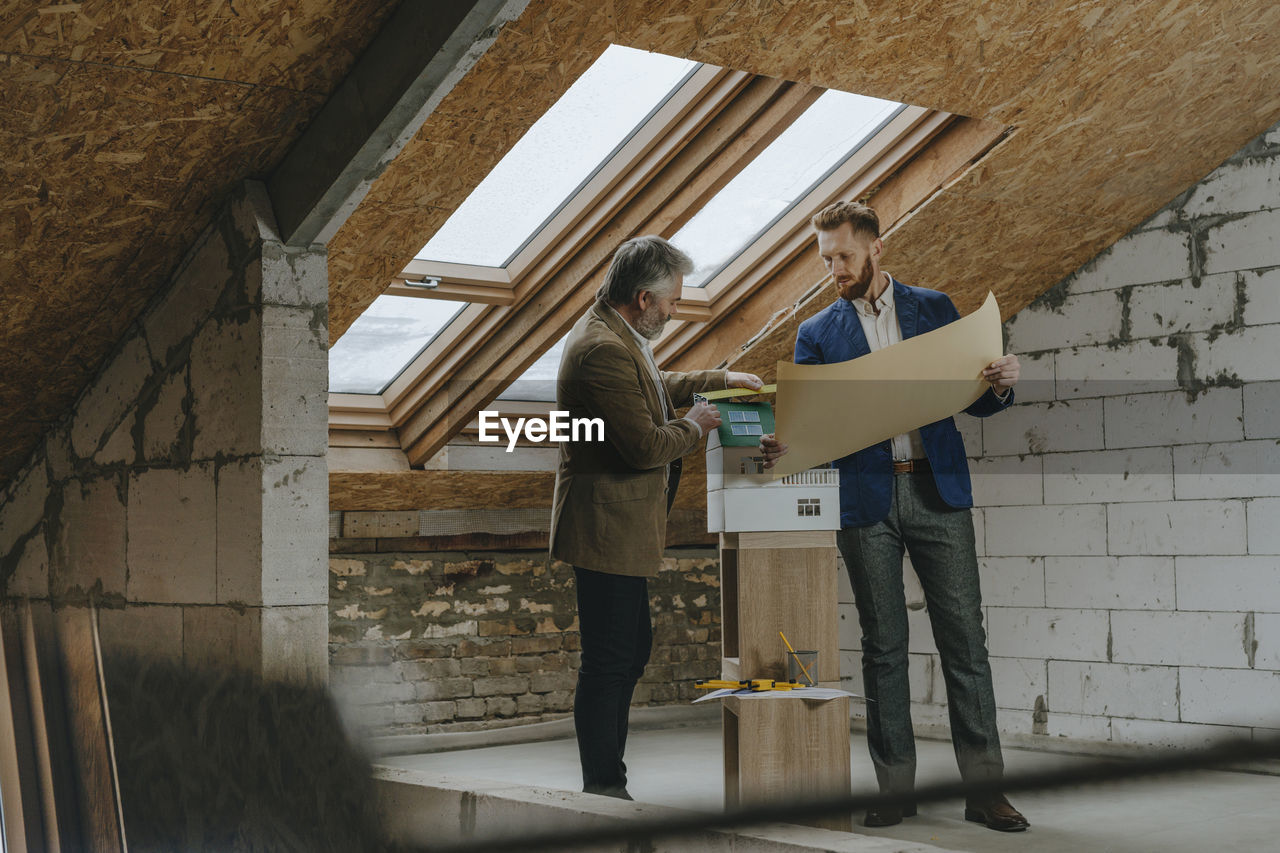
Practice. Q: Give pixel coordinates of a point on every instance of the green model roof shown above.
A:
(742, 424)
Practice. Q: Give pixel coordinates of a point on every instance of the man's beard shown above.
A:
(651, 322)
(858, 287)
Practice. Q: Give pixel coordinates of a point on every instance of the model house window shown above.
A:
(809, 507)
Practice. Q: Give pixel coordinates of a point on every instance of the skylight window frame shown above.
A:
(715, 282)
(425, 349)
(535, 244)
(909, 130)
(839, 182)
(499, 291)
(702, 80)
(493, 289)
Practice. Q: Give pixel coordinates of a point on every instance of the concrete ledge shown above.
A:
(663, 717)
(424, 808)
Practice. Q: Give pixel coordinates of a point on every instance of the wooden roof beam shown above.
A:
(418, 56)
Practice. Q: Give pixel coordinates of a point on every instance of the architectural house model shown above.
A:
(743, 496)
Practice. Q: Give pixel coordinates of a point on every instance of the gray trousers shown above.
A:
(941, 544)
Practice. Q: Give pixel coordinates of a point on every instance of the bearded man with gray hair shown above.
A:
(609, 513)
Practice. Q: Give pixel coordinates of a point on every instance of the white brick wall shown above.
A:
(1143, 474)
(1095, 317)
(1154, 418)
(1007, 480)
(1159, 420)
(1105, 583)
(1262, 410)
(1229, 583)
(1012, 581)
(1163, 309)
(1172, 735)
(1178, 638)
(1018, 681)
(172, 536)
(1264, 526)
(1266, 637)
(1176, 527)
(1234, 697)
(1049, 633)
(1247, 354)
(1079, 726)
(1135, 368)
(110, 396)
(1244, 244)
(1240, 469)
(128, 478)
(1044, 428)
(1036, 381)
(24, 505)
(1262, 295)
(89, 538)
(1036, 531)
(1140, 258)
(1112, 690)
(1248, 185)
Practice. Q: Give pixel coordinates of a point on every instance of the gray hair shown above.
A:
(643, 263)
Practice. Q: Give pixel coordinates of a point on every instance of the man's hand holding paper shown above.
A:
(827, 411)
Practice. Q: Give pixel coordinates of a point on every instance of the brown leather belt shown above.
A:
(910, 466)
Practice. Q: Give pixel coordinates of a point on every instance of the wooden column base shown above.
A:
(780, 749)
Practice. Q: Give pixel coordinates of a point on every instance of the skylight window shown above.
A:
(562, 150)
(384, 340)
(538, 383)
(826, 135)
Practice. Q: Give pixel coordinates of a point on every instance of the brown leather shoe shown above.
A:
(996, 813)
(888, 815)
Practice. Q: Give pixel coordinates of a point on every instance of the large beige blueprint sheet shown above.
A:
(826, 411)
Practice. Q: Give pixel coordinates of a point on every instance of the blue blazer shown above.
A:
(835, 334)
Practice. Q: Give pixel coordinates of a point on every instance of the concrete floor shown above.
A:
(1205, 811)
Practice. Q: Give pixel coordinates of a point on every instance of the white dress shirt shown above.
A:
(882, 330)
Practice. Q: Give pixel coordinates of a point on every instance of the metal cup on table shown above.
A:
(802, 667)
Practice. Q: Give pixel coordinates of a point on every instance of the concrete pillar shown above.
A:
(187, 491)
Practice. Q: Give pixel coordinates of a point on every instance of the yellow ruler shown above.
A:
(736, 392)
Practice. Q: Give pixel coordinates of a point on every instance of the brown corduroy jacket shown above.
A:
(609, 513)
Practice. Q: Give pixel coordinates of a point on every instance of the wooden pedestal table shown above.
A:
(776, 748)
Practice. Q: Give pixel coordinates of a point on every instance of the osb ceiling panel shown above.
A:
(292, 44)
(123, 126)
(529, 67)
(1119, 106)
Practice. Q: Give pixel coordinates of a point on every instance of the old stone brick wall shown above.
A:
(425, 641)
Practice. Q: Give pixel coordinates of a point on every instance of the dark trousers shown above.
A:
(613, 618)
(941, 544)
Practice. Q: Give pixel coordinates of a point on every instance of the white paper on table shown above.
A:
(827, 411)
(818, 694)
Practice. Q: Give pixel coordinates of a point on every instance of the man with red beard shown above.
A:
(910, 493)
